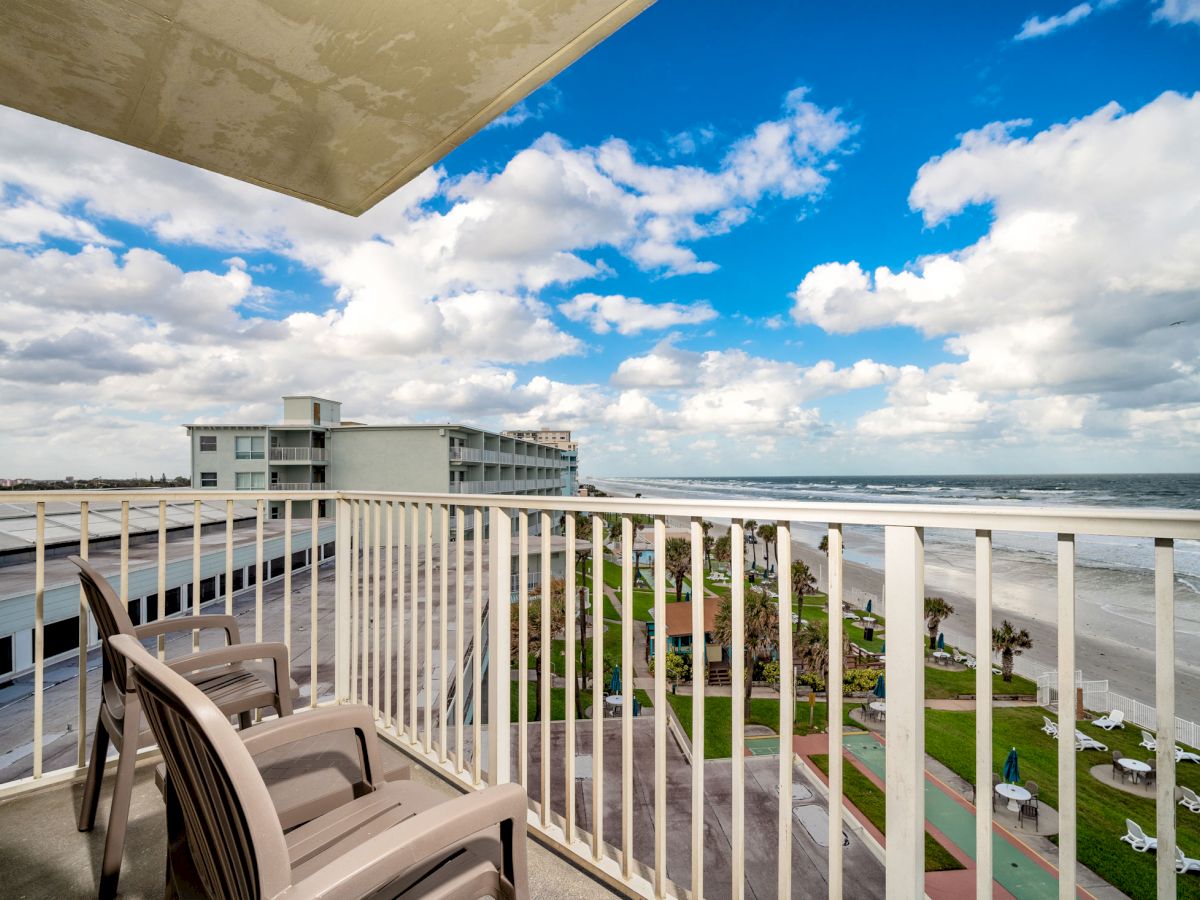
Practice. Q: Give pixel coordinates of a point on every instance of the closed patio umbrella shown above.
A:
(869, 604)
(1012, 770)
(614, 686)
(880, 688)
(941, 641)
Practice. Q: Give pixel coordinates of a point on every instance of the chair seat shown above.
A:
(241, 687)
(321, 842)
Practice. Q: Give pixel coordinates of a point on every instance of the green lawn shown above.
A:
(1102, 810)
(612, 650)
(871, 802)
(942, 683)
(718, 713)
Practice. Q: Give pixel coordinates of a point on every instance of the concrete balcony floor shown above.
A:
(42, 855)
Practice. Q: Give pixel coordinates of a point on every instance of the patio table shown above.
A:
(940, 656)
(1015, 794)
(1134, 767)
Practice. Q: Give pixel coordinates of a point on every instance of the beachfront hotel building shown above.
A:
(568, 452)
(313, 448)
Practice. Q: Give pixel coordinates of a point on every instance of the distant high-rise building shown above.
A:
(568, 450)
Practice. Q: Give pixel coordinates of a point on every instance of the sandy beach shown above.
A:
(1108, 644)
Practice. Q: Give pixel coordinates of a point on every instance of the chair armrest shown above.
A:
(277, 653)
(190, 623)
(428, 836)
(288, 730)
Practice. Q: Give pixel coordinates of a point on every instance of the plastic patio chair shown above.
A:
(1138, 839)
(1117, 768)
(233, 674)
(1028, 810)
(1188, 799)
(1049, 726)
(1183, 864)
(1115, 719)
(396, 839)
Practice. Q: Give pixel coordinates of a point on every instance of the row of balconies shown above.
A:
(300, 454)
(477, 455)
(503, 486)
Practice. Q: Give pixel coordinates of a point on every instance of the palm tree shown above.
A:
(812, 652)
(803, 583)
(558, 622)
(639, 522)
(749, 527)
(678, 562)
(723, 548)
(936, 609)
(1009, 643)
(769, 534)
(707, 526)
(824, 545)
(761, 621)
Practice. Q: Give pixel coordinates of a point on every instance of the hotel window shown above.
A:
(251, 481)
(248, 448)
(208, 479)
(208, 443)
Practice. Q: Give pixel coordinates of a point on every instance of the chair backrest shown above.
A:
(1147, 736)
(236, 843)
(1188, 793)
(112, 618)
(1116, 716)
(1032, 787)
(1117, 754)
(1135, 829)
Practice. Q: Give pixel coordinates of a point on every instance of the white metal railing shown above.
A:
(466, 454)
(416, 622)
(296, 486)
(299, 454)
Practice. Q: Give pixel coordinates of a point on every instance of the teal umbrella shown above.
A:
(870, 601)
(880, 688)
(614, 686)
(1012, 771)
(883, 647)
(941, 641)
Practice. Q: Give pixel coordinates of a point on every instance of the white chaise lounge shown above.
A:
(1188, 799)
(1183, 864)
(1138, 839)
(1115, 719)
(1083, 742)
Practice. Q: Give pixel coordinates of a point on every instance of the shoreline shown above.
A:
(1123, 657)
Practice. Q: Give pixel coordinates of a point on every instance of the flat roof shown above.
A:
(679, 616)
(335, 103)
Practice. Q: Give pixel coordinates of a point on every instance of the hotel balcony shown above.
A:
(403, 619)
(299, 455)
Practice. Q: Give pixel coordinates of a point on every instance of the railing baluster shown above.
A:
(287, 574)
(195, 567)
(343, 601)
(522, 648)
(414, 516)
(401, 614)
(477, 643)
(500, 647)
(660, 706)
(983, 714)
(569, 659)
(598, 687)
(1066, 716)
(699, 664)
(376, 530)
(737, 651)
(389, 540)
(259, 515)
(162, 575)
(545, 642)
(1164, 689)
(355, 515)
(368, 694)
(904, 591)
(834, 707)
(626, 695)
(443, 631)
(428, 651)
(228, 563)
(85, 633)
(314, 595)
(460, 556)
(787, 700)
(39, 635)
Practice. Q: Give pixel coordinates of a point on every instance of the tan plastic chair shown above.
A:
(398, 839)
(234, 676)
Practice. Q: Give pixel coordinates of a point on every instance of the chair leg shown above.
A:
(245, 720)
(95, 774)
(118, 813)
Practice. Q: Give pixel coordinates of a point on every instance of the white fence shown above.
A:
(1098, 698)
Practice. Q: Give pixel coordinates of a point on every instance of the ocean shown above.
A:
(1114, 576)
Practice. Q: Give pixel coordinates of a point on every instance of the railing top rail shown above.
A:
(1124, 522)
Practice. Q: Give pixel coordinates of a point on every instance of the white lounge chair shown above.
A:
(1115, 719)
(1183, 864)
(996, 670)
(1148, 741)
(1049, 726)
(1138, 839)
(1083, 742)
(959, 657)
(970, 663)
(1189, 800)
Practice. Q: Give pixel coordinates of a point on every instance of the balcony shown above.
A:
(404, 613)
(297, 486)
(299, 455)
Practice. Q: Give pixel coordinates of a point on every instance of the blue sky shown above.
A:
(934, 269)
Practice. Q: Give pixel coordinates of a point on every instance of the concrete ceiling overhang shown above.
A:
(333, 101)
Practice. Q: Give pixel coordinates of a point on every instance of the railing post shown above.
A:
(904, 591)
(1066, 717)
(499, 647)
(341, 661)
(1164, 689)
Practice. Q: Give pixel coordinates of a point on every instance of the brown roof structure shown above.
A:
(679, 617)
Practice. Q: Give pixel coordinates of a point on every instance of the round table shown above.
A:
(940, 655)
(1015, 795)
(613, 702)
(1134, 767)
(879, 706)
